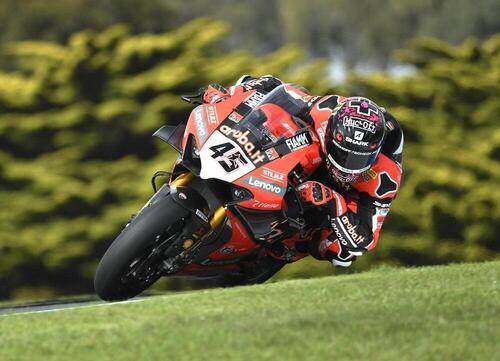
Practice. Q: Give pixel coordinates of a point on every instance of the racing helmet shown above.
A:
(353, 138)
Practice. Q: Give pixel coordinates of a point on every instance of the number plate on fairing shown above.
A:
(222, 158)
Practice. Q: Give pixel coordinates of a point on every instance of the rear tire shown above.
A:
(132, 244)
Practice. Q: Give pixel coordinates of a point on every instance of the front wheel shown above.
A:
(128, 268)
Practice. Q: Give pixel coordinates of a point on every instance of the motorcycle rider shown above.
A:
(362, 147)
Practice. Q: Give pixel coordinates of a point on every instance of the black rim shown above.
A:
(145, 269)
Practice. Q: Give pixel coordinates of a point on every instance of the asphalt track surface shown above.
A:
(57, 305)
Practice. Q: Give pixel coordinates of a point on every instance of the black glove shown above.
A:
(315, 192)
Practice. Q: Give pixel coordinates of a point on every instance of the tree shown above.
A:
(75, 138)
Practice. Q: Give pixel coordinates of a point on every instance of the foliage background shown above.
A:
(83, 84)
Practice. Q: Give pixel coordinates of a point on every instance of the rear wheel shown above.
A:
(130, 264)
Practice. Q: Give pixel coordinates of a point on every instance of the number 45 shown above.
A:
(229, 162)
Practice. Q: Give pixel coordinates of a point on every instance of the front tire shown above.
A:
(132, 244)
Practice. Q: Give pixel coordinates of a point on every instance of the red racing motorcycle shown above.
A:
(230, 211)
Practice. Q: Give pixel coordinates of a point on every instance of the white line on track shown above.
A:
(62, 307)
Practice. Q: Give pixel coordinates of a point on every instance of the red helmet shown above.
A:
(353, 138)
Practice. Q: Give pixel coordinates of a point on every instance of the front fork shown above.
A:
(219, 214)
(190, 238)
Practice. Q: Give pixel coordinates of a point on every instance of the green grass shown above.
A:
(433, 313)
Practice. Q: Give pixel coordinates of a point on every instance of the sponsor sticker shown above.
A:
(265, 185)
(242, 138)
(212, 115)
(366, 125)
(355, 141)
(298, 141)
(264, 205)
(201, 215)
(338, 233)
(369, 174)
(384, 212)
(235, 117)
(268, 134)
(199, 121)
(352, 231)
(252, 84)
(272, 154)
(253, 100)
(273, 175)
(358, 135)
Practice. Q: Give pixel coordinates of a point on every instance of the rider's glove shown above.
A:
(335, 253)
(214, 93)
(315, 193)
(318, 194)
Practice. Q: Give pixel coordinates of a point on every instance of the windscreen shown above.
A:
(254, 122)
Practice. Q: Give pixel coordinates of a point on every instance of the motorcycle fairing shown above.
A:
(205, 118)
(254, 148)
(249, 143)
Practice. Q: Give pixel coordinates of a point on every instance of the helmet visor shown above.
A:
(350, 161)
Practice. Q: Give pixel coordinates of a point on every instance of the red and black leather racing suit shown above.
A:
(356, 210)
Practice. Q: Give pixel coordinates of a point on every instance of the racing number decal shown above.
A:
(221, 149)
(221, 158)
(228, 160)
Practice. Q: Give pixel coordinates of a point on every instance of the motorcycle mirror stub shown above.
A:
(194, 98)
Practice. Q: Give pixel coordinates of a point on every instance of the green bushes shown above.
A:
(76, 151)
(448, 208)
